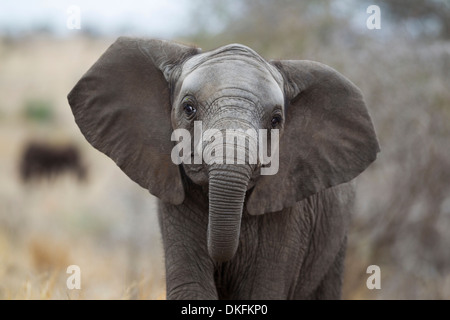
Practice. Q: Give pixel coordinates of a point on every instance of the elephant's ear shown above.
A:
(328, 139)
(122, 106)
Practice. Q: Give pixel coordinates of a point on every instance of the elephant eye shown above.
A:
(276, 120)
(189, 109)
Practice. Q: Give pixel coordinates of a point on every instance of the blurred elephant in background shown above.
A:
(44, 160)
(228, 231)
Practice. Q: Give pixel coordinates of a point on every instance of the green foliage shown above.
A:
(40, 111)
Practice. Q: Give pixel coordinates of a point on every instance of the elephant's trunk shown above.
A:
(227, 188)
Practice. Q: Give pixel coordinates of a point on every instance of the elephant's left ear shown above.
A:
(328, 139)
(122, 107)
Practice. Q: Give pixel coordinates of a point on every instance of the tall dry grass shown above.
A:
(106, 225)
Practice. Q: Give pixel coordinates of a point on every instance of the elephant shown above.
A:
(43, 160)
(228, 231)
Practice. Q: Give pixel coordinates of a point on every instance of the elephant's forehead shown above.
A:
(232, 60)
(236, 78)
(229, 72)
(232, 67)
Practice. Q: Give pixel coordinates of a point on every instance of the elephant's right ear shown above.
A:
(122, 106)
(328, 139)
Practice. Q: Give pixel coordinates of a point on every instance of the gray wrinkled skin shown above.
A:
(228, 231)
(295, 254)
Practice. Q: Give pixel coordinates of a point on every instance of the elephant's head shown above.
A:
(133, 98)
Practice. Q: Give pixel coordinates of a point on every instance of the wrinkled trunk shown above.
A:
(229, 175)
(227, 188)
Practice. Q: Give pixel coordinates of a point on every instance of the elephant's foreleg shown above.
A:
(330, 288)
(189, 269)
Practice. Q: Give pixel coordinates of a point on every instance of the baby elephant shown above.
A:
(236, 223)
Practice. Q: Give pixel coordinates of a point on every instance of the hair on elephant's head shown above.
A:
(131, 100)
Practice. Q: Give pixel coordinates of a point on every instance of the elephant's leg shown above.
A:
(269, 257)
(330, 288)
(189, 269)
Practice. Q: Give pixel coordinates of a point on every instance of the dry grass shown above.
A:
(107, 225)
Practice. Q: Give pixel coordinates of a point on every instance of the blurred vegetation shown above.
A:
(402, 214)
(276, 29)
(39, 111)
(429, 17)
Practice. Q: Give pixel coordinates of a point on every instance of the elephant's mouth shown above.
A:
(199, 172)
